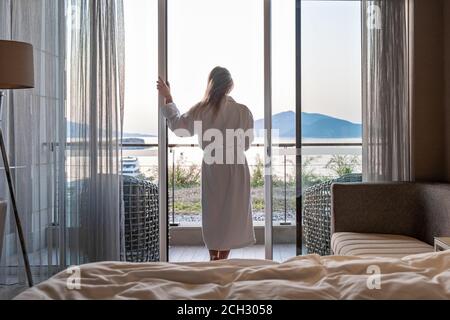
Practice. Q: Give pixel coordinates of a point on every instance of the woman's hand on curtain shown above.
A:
(164, 90)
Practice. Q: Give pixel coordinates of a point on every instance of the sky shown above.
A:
(203, 34)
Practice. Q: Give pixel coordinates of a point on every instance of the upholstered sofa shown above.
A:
(388, 219)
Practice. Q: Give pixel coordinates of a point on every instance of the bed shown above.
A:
(423, 276)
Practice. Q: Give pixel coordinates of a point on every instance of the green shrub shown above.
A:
(257, 177)
(257, 204)
(342, 165)
(185, 175)
(309, 177)
(187, 207)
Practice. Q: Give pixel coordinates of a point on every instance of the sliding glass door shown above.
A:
(140, 127)
(332, 112)
(203, 34)
(140, 150)
(286, 56)
(284, 119)
(258, 41)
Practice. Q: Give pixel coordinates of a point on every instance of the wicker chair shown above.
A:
(141, 220)
(317, 214)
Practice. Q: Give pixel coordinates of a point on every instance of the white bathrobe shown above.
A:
(226, 200)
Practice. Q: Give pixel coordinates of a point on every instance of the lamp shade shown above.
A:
(16, 65)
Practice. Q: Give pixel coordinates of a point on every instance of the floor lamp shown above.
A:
(16, 72)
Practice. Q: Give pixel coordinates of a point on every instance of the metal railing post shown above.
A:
(173, 224)
(285, 191)
(285, 223)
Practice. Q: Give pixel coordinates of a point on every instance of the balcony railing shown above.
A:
(320, 162)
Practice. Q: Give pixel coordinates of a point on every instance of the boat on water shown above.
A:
(130, 166)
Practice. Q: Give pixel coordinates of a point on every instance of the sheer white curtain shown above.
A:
(95, 111)
(35, 134)
(69, 194)
(386, 90)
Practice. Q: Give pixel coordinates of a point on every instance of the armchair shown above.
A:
(406, 215)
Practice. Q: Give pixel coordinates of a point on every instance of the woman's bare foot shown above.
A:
(216, 255)
(223, 255)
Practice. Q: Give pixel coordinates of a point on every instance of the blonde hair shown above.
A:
(220, 83)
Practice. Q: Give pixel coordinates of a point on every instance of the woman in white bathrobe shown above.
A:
(225, 131)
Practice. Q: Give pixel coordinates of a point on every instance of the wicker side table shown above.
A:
(141, 220)
(317, 214)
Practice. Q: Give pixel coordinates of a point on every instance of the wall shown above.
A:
(429, 133)
(447, 82)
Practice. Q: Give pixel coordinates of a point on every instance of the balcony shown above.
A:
(320, 162)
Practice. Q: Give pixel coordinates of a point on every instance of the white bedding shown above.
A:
(424, 276)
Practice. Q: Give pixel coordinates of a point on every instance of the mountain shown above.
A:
(74, 129)
(137, 135)
(314, 125)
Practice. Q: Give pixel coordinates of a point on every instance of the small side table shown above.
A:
(441, 244)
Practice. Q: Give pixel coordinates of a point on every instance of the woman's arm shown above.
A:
(181, 125)
(164, 90)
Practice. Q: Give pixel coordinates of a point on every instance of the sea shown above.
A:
(316, 157)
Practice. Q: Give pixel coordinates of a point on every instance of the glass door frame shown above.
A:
(298, 129)
(163, 165)
(268, 181)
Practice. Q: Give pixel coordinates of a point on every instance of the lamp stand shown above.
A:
(13, 201)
